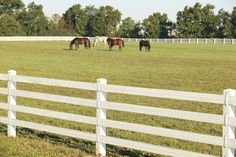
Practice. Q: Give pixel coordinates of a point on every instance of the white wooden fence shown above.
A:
(227, 120)
(161, 40)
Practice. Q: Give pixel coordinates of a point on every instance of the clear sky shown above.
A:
(137, 9)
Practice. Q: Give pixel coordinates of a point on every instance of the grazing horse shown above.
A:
(119, 42)
(99, 39)
(144, 43)
(80, 41)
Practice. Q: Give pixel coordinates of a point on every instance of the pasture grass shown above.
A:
(204, 68)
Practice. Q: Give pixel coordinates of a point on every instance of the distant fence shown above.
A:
(186, 40)
(161, 40)
(227, 120)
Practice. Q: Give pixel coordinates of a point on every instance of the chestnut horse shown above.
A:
(80, 41)
(119, 42)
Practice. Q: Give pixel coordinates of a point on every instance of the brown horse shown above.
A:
(119, 42)
(80, 41)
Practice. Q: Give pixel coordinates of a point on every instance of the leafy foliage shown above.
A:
(157, 25)
(196, 21)
(9, 26)
(33, 20)
(10, 7)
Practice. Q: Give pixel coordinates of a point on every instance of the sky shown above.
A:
(136, 9)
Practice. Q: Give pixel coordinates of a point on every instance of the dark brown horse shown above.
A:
(80, 41)
(119, 42)
(146, 44)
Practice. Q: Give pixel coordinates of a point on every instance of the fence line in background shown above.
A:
(227, 120)
(159, 40)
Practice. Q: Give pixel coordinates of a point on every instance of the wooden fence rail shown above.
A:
(227, 120)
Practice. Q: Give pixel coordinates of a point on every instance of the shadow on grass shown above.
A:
(85, 146)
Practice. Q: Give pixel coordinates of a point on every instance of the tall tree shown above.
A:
(189, 21)
(127, 27)
(224, 24)
(98, 25)
(10, 7)
(111, 18)
(33, 20)
(90, 12)
(76, 20)
(9, 26)
(233, 20)
(157, 25)
(209, 21)
(56, 26)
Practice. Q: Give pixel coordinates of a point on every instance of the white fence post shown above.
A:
(101, 114)
(11, 131)
(232, 41)
(197, 40)
(224, 41)
(228, 131)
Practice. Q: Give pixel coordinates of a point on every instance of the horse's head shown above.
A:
(71, 44)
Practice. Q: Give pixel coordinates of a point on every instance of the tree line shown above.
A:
(197, 21)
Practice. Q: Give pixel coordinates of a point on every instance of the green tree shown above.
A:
(10, 7)
(189, 21)
(111, 18)
(224, 24)
(208, 21)
(56, 26)
(127, 27)
(90, 12)
(157, 25)
(233, 20)
(33, 20)
(10, 27)
(76, 20)
(98, 25)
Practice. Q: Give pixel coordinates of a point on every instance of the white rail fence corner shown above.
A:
(227, 120)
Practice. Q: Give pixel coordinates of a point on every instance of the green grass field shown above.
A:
(186, 67)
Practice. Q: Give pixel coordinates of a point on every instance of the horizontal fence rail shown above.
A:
(101, 105)
(169, 94)
(159, 40)
(170, 113)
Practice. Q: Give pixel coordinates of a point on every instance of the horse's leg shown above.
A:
(109, 46)
(76, 46)
(120, 47)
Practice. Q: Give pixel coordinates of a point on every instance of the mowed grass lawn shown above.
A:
(186, 67)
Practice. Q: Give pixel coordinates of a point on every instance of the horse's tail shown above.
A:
(123, 43)
(89, 43)
(140, 46)
(149, 48)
